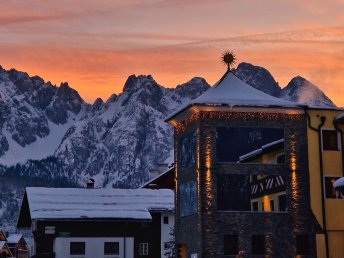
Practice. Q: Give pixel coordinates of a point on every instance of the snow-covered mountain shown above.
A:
(302, 91)
(50, 136)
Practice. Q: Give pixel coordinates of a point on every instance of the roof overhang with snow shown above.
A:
(92, 204)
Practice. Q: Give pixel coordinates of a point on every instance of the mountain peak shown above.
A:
(134, 82)
(303, 91)
(258, 77)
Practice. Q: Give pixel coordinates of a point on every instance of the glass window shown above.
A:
(111, 248)
(230, 244)
(302, 245)
(282, 202)
(272, 205)
(330, 192)
(143, 249)
(255, 206)
(249, 145)
(187, 150)
(238, 192)
(188, 198)
(165, 220)
(258, 244)
(330, 140)
(77, 248)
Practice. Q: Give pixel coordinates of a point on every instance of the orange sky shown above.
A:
(96, 44)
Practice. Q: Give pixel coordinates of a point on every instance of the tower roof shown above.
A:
(231, 91)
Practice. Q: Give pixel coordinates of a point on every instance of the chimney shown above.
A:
(90, 183)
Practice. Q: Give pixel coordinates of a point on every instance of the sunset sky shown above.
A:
(96, 44)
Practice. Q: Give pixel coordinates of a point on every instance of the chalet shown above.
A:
(251, 176)
(4, 250)
(17, 244)
(88, 223)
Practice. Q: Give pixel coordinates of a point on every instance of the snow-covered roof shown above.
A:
(340, 117)
(82, 203)
(2, 244)
(232, 91)
(339, 183)
(260, 150)
(14, 238)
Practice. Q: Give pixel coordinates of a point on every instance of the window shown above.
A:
(302, 245)
(249, 145)
(165, 220)
(258, 244)
(238, 192)
(272, 205)
(282, 202)
(230, 244)
(254, 206)
(330, 192)
(143, 249)
(330, 140)
(77, 248)
(111, 248)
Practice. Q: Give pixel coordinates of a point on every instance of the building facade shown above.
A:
(88, 223)
(325, 148)
(243, 183)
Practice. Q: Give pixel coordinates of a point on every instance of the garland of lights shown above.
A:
(237, 116)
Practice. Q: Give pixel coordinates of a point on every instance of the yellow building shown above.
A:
(325, 152)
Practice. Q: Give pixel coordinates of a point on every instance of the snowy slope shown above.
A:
(302, 91)
(34, 116)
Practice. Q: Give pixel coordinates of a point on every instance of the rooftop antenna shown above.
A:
(228, 58)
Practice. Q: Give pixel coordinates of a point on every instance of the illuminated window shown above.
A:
(143, 249)
(330, 140)
(77, 248)
(230, 244)
(258, 244)
(111, 248)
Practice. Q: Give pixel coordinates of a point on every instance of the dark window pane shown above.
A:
(187, 150)
(282, 202)
(254, 206)
(188, 198)
(258, 244)
(302, 245)
(111, 248)
(77, 248)
(165, 220)
(249, 145)
(330, 140)
(281, 159)
(230, 244)
(272, 205)
(233, 192)
(329, 189)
